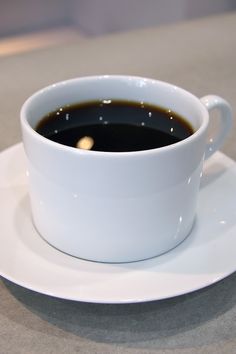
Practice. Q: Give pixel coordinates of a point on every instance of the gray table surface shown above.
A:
(198, 55)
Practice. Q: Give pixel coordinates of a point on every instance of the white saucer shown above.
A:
(204, 258)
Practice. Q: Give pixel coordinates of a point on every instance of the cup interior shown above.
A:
(114, 87)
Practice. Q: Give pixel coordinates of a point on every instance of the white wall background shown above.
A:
(101, 16)
(97, 17)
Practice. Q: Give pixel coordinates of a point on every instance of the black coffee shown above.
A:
(115, 126)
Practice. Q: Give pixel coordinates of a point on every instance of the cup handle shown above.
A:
(226, 119)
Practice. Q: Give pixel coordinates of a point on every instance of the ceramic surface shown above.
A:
(141, 203)
(205, 257)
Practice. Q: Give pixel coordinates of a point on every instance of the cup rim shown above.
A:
(26, 125)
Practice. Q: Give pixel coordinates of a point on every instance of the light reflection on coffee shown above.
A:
(85, 143)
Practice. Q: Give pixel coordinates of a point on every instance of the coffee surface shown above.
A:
(115, 126)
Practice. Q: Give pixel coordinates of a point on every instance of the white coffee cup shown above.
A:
(111, 206)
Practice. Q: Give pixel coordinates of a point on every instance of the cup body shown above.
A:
(114, 207)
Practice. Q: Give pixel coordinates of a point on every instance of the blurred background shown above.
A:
(97, 17)
(32, 24)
